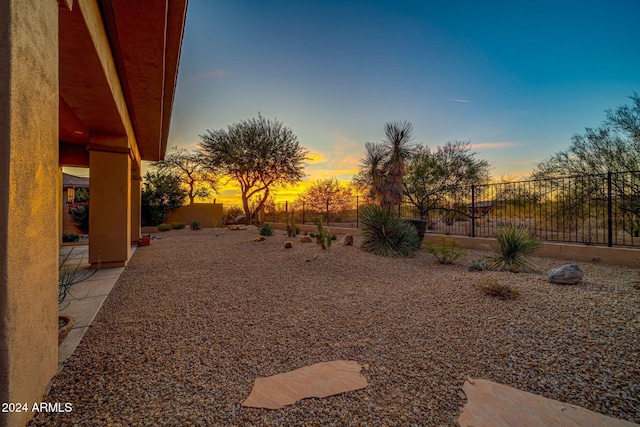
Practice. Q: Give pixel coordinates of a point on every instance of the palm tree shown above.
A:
(398, 150)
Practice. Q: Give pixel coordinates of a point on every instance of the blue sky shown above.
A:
(517, 79)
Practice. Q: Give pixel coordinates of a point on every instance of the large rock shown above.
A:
(569, 274)
(347, 240)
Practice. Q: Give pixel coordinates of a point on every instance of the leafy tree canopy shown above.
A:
(327, 196)
(259, 154)
(198, 181)
(161, 194)
(435, 175)
(612, 147)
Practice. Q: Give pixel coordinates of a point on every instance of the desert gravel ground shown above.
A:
(198, 315)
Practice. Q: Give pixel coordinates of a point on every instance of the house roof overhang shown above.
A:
(118, 71)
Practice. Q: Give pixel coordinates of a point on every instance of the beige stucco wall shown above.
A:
(208, 214)
(29, 201)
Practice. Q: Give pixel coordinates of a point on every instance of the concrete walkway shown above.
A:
(86, 297)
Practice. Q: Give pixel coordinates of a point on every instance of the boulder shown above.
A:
(305, 239)
(347, 240)
(568, 274)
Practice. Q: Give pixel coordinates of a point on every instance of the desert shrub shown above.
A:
(288, 244)
(70, 237)
(80, 217)
(478, 265)
(384, 233)
(499, 290)
(513, 244)
(178, 225)
(195, 225)
(69, 276)
(312, 235)
(420, 225)
(266, 229)
(446, 250)
(164, 227)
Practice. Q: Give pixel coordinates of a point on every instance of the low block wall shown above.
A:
(565, 251)
(628, 257)
(208, 214)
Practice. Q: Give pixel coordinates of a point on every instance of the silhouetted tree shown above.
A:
(259, 154)
(199, 182)
(327, 196)
(435, 177)
(384, 164)
(612, 147)
(161, 194)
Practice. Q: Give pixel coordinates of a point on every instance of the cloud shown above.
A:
(494, 144)
(464, 101)
(215, 74)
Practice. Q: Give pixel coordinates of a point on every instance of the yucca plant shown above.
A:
(513, 244)
(384, 233)
(266, 229)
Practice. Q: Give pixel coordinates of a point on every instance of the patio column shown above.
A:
(110, 206)
(29, 202)
(136, 203)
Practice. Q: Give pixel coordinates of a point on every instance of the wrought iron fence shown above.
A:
(598, 209)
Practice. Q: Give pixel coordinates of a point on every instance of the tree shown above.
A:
(161, 194)
(328, 196)
(259, 154)
(384, 164)
(613, 147)
(435, 178)
(199, 181)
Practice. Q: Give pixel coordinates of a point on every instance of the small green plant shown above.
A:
(195, 225)
(69, 276)
(178, 225)
(513, 244)
(266, 229)
(164, 227)
(478, 265)
(384, 233)
(323, 236)
(446, 250)
(312, 235)
(80, 217)
(499, 290)
(70, 237)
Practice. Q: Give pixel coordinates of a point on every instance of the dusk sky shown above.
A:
(517, 79)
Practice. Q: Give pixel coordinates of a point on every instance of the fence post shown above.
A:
(357, 213)
(609, 212)
(473, 210)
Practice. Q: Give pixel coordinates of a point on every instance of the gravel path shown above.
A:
(197, 316)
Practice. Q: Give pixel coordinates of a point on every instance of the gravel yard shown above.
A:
(197, 316)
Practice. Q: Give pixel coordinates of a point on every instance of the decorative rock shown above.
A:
(347, 240)
(305, 239)
(568, 274)
(260, 239)
(319, 380)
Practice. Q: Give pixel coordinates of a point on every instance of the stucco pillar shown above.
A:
(29, 202)
(110, 206)
(136, 205)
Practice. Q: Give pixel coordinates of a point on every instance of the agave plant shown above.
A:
(384, 233)
(513, 244)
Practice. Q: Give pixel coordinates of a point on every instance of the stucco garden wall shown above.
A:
(208, 214)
